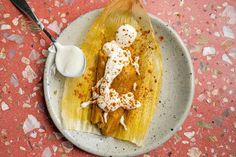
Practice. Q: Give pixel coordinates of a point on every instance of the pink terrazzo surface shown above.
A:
(208, 27)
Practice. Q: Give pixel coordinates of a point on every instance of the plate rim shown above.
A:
(151, 146)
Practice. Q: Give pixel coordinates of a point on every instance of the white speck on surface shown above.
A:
(193, 140)
(63, 15)
(25, 60)
(46, 152)
(217, 34)
(6, 15)
(22, 148)
(213, 16)
(2, 53)
(194, 152)
(42, 42)
(230, 12)
(201, 97)
(232, 108)
(57, 3)
(20, 91)
(45, 21)
(36, 89)
(15, 21)
(67, 146)
(225, 100)
(209, 100)
(208, 51)
(64, 20)
(225, 4)
(29, 74)
(4, 106)
(215, 92)
(5, 27)
(192, 18)
(212, 150)
(33, 134)
(30, 124)
(185, 142)
(232, 53)
(189, 134)
(41, 130)
(14, 80)
(54, 27)
(54, 148)
(195, 48)
(181, 3)
(26, 105)
(224, 87)
(228, 32)
(226, 59)
(235, 125)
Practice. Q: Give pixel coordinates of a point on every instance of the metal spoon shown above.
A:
(77, 71)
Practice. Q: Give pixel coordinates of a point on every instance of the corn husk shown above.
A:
(78, 90)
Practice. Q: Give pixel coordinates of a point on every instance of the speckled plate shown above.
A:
(175, 101)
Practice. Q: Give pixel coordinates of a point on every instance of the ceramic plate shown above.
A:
(175, 100)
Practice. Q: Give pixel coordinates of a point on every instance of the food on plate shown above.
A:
(117, 96)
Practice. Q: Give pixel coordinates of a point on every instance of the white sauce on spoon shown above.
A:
(70, 60)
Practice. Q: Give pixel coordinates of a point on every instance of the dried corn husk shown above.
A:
(78, 90)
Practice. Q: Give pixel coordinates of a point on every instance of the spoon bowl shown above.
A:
(70, 60)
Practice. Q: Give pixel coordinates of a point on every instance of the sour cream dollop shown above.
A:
(126, 35)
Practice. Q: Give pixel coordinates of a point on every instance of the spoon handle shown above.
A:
(25, 8)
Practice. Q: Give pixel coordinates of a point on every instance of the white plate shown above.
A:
(176, 94)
